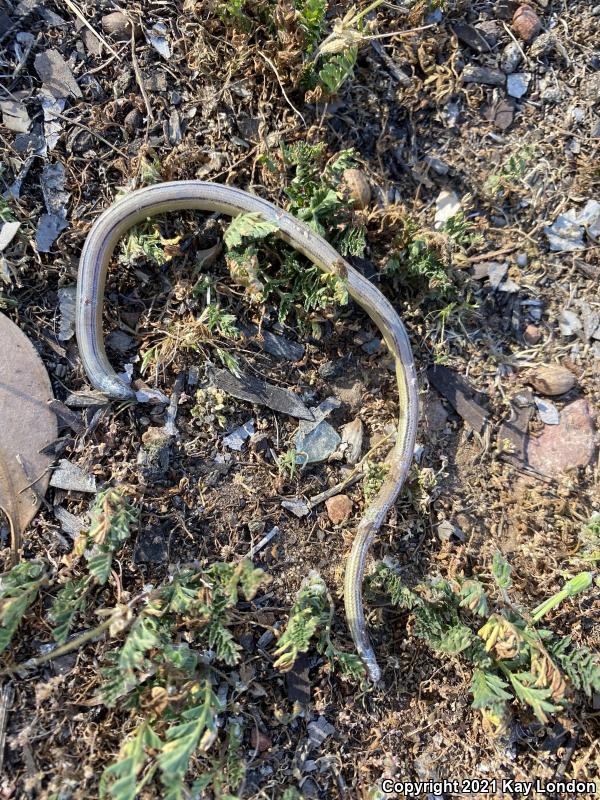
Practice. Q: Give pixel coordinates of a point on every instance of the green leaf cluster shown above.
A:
(18, 590)
(512, 659)
(337, 69)
(311, 18)
(286, 276)
(589, 540)
(110, 527)
(422, 258)
(311, 616)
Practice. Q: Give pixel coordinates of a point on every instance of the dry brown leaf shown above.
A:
(28, 425)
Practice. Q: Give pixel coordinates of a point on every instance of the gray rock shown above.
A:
(158, 39)
(66, 305)
(316, 440)
(72, 478)
(70, 523)
(7, 233)
(48, 228)
(56, 75)
(15, 116)
(547, 411)
(316, 445)
(437, 165)
(489, 77)
(372, 347)
(517, 84)
(235, 440)
(352, 439)
(496, 273)
(298, 507)
(511, 58)
(566, 234)
(319, 731)
(569, 323)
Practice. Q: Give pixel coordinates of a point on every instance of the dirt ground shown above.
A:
(218, 108)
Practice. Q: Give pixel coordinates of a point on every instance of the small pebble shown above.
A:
(339, 508)
(517, 84)
(259, 741)
(526, 23)
(357, 187)
(511, 58)
(117, 24)
(532, 334)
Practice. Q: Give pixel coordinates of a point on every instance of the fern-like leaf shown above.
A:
(474, 597)
(196, 730)
(120, 780)
(501, 571)
(310, 610)
(18, 590)
(537, 698)
(248, 227)
(67, 603)
(489, 690)
(337, 69)
(579, 664)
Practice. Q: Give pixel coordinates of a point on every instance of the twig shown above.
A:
(101, 39)
(350, 479)
(139, 78)
(484, 256)
(68, 647)
(289, 102)
(92, 132)
(5, 703)
(264, 541)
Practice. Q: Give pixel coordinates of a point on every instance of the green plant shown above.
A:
(510, 174)
(145, 241)
(287, 463)
(315, 199)
(511, 657)
(589, 540)
(18, 590)
(233, 11)
(312, 616)
(337, 69)
(338, 52)
(149, 172)
(423, 258)
(158, 670)
(374, 476)
(111, 520)
(311, 18)
(198, 334)
(6, 214)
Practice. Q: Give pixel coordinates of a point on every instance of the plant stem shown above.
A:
(367, 10)
(576, 585)
(68, 647)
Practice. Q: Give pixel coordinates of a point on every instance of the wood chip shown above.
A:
(56, 75)
(254, 390)
(460, 393)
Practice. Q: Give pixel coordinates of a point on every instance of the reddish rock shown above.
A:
(526, 23)
(565, 446)
(339, 508)
(259, 741)
(532, 334)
